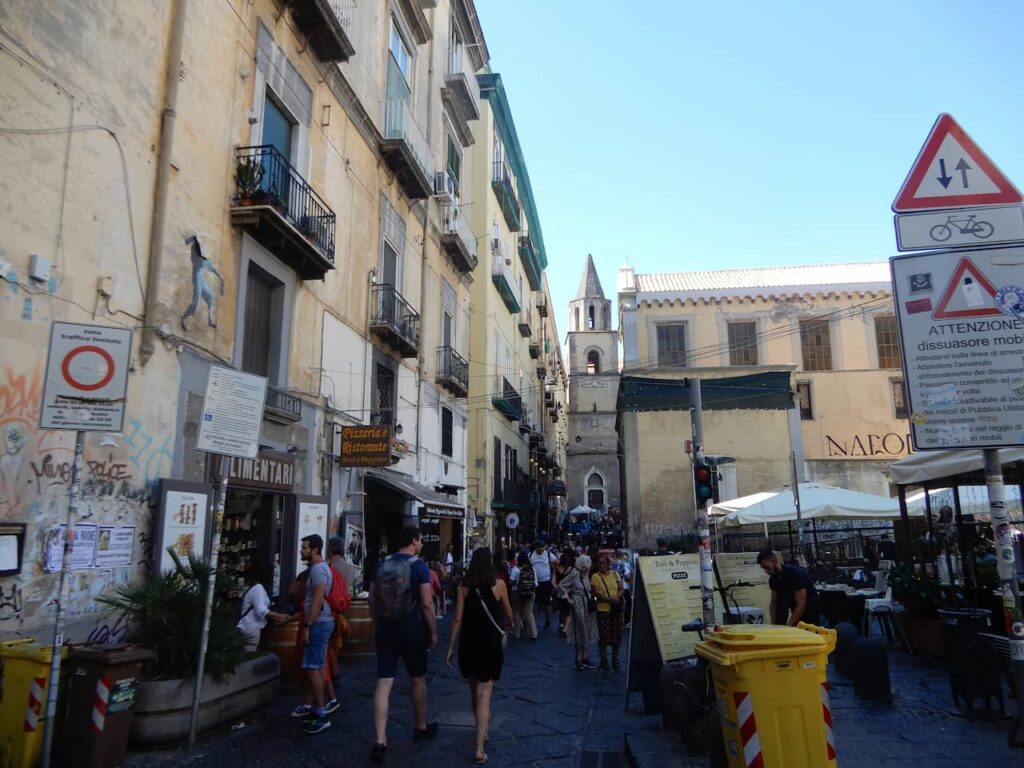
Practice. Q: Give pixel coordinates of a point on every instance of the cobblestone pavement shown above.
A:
(544, 715)
(918, 729)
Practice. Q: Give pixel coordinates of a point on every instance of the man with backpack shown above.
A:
(401, 599)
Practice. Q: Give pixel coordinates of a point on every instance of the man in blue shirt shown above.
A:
(402, 601)
(793, 592)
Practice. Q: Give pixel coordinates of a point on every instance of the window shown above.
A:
(400, 52)
(454, 165)
(384, 395)
(816, 345)
(446, 432)
(899, 399)
(803, 396)
(263, 324)
(590, 317)
(887, 341)
(672, 345)
(742, 343)
(497, 153)
(593, 361)
(595, 491)
(576, 312)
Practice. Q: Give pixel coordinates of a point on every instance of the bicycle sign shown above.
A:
(961, 227)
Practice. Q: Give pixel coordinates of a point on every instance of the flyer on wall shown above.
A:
(83, 548)
(115, 546)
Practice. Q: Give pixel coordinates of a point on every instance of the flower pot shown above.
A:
(163, 707)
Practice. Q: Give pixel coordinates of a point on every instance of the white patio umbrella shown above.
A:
(582, 509)
(817, 501)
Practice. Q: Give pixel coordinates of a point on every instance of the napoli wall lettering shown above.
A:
(868, 445)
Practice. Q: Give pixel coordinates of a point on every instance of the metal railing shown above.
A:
(460, 64)
(281, 401)
(264, 177)
(504, 189)
(452, 366)
(344, 11)
(391, 310)
(510, 492)
(504, 392)
(455, 223)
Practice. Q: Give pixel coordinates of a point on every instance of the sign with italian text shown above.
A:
(961, 320)
(365, 446)
(86, 378)
(232, 414)
(672, 585)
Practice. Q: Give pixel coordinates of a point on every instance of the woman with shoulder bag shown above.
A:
(607, 586)
(575, 589)
(481, 601)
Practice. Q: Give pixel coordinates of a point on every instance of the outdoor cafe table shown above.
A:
(841, 603)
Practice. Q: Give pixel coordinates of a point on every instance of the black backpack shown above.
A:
(394, 596)
(527, 585)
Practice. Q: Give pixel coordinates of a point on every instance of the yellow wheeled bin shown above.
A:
(773, 694)
(25, 680)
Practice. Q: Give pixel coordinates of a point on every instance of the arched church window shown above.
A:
(593, 361)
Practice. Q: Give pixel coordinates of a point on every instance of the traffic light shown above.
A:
(704, 482)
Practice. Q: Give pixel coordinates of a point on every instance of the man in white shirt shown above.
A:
(543, 563)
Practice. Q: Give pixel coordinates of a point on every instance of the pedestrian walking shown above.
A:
(566, 563)
(608, 588)
(437, 579)
(621, 566)
(480, 601)
(317, 626)
(525, 593)
(514, 574)
(543, 562)
(403, 609)
(575, 588)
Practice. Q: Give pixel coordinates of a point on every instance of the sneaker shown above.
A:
(422, 734)
(318, 725)
(586, 665)
(303, 710)
(331, 706)
(377, 753)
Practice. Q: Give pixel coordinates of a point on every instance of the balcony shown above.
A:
(541, 302)
(524, 323)
(557, 487)
(327, 24)
(394, 321)
(461, 93)
(506, 399)
(542, 371)
(458, 241)
(511, 494)
(419, 25)
(534, 349)
(501, 183)
(504, 280)
(452, 371)
(281, 406)
(524, 423)
(279, 208)
(405, 149)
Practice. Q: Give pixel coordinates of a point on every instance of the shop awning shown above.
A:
(435, 503)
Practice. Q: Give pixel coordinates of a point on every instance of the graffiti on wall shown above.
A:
(202, 267)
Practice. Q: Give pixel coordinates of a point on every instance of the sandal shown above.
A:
(480, 758)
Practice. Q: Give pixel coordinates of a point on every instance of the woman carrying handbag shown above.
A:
(609, 589)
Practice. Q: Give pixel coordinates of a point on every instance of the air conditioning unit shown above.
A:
(443, 187)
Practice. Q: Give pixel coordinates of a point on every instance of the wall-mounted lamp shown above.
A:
(398, 429)
(579, 439)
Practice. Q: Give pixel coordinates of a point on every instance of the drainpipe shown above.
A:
(163, 178)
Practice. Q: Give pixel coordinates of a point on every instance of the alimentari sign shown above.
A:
(266, 471)
(867, 446)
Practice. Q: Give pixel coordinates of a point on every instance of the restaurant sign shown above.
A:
(365, 446)
(272, 472)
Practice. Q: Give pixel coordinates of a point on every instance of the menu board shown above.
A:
(312, 520)
(742, 566)
(672, 587)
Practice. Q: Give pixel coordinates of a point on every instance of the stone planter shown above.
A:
(162, 707)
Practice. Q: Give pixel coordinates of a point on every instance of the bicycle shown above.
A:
(699, 727)
(969, 226)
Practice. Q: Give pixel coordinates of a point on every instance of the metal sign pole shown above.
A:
(204, 638)
(799, 516)
(53, 687)
(707, 575)
(1003, 532)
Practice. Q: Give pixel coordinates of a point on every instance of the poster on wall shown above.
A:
(355, 545)
(115, 546)
(182, 522)
(83, 548)
(312, 519)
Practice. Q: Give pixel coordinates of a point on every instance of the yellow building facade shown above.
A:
(832, 326)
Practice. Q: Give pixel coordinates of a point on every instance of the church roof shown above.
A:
(590, 284)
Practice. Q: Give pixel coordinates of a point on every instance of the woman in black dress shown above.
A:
(480, 605)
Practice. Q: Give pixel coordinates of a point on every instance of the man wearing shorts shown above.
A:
(317, 626)
(408, 638)
(542, 562)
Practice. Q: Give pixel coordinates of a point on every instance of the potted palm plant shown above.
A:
(165, 616)
(248, 177)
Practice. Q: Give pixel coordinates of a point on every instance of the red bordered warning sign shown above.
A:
(951, 171)
(969, 294)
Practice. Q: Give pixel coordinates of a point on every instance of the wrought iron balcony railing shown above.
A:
(504, 190)
(452, 371)
(507, 399)
(328, 25)
(457, 238)
(283, 405)
(394, 320)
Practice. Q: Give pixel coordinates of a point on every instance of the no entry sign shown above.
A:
(86, 378)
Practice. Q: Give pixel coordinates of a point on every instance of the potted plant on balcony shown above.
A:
(248, 177)
(165, 615)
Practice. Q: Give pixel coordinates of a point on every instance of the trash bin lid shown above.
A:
(29, 649)
(110, 655)
(734, 644)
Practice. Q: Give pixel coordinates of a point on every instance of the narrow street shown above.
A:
(544, 715)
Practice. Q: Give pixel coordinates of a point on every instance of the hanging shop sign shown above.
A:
(365, 446)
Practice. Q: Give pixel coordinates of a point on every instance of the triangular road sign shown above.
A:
(951, 171)
(965, 294)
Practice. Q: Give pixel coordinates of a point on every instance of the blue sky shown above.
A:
(689, 136)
